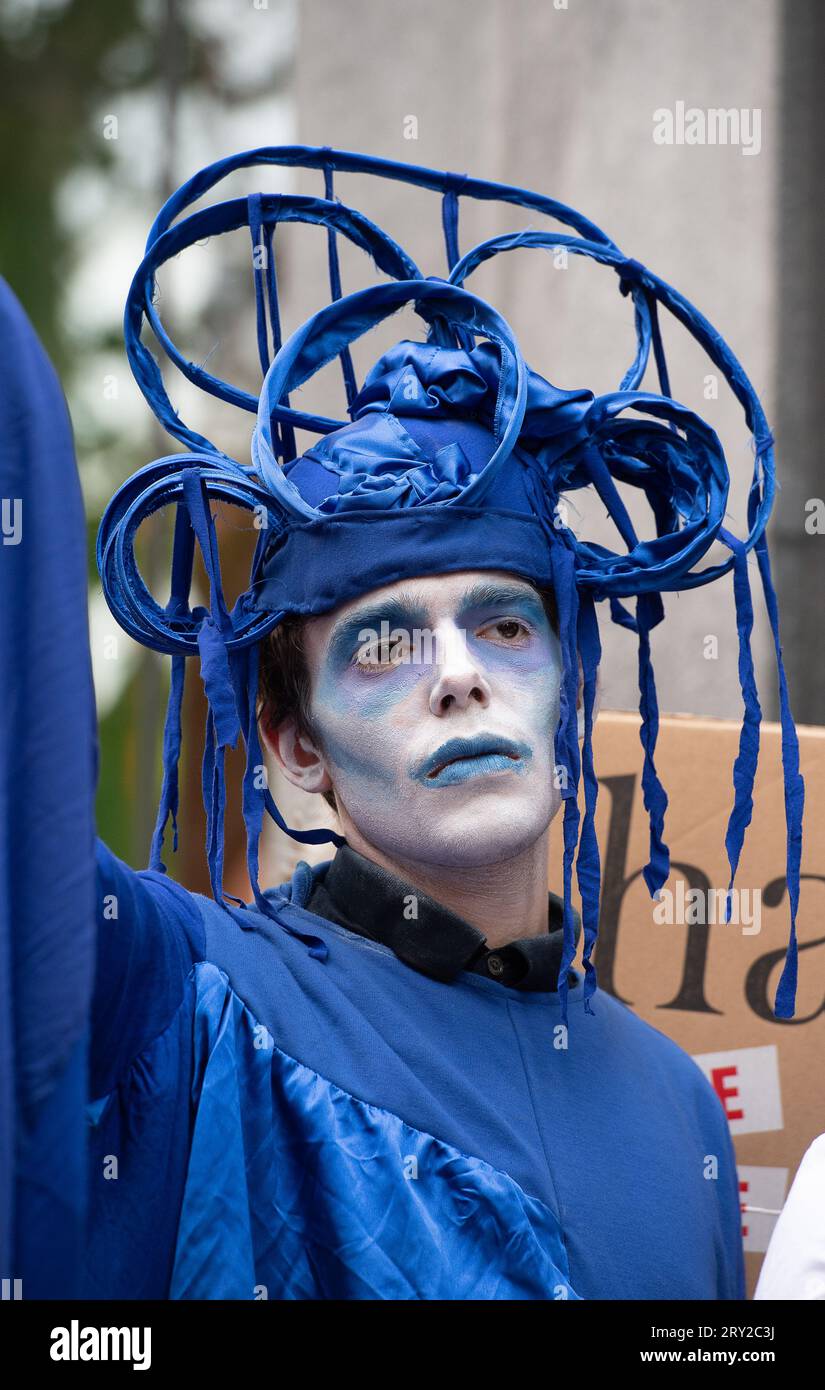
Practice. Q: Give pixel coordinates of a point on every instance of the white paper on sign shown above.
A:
(746, 1080)
(762, 1195)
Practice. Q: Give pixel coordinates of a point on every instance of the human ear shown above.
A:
(300, 760)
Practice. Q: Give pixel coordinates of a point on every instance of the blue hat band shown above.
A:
(363, 551)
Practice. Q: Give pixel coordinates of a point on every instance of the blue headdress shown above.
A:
(455, 456)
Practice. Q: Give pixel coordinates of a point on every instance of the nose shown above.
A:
(459, 679)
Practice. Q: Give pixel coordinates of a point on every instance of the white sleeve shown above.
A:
(794, 1266)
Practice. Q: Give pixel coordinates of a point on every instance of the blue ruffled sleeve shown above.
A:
(149, 933)
(93, 956)
(48, 765)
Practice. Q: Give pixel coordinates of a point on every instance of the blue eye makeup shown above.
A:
(509, 599)
(484, 605)
(490, 603)
(346, 636)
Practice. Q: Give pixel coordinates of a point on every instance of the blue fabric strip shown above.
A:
(794, 786)
(286, 431)
(171, 759)
(567, 746)
(744, 768)
(588, 865)
(350, 384)
(650, 612)
(183, 551)
(211, 221)
(449, 223)
(260, 258)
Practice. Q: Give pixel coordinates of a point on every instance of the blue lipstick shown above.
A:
(459, 759)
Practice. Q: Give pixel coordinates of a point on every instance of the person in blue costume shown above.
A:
(384, 1078)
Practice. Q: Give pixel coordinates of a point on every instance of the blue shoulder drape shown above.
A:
(48, 771)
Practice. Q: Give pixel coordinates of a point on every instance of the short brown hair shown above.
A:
(283, 675)
(283, 681)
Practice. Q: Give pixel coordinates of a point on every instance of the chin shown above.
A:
(485, 828)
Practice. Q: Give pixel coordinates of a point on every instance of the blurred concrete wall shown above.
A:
(797, 547)
(561, 98)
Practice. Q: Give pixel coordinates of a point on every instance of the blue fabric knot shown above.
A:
(631, 273)
(379, 466)
(424, 426)
(417, 377)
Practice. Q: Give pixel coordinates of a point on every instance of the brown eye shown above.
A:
(507, 630)
(377, 656)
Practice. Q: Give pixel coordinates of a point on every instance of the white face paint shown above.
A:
(467, 656)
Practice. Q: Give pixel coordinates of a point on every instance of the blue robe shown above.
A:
(208, 1104)
(349, 1128)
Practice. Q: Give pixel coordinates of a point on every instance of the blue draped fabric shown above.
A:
(297, 1189)
(47, 784)
(333, 1124)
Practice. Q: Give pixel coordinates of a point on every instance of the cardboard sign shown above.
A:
(707, 984)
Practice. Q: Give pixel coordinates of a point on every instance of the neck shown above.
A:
(504, 901)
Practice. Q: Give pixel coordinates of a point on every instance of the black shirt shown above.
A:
(369, 900)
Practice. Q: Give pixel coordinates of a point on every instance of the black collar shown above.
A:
(369, 900)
